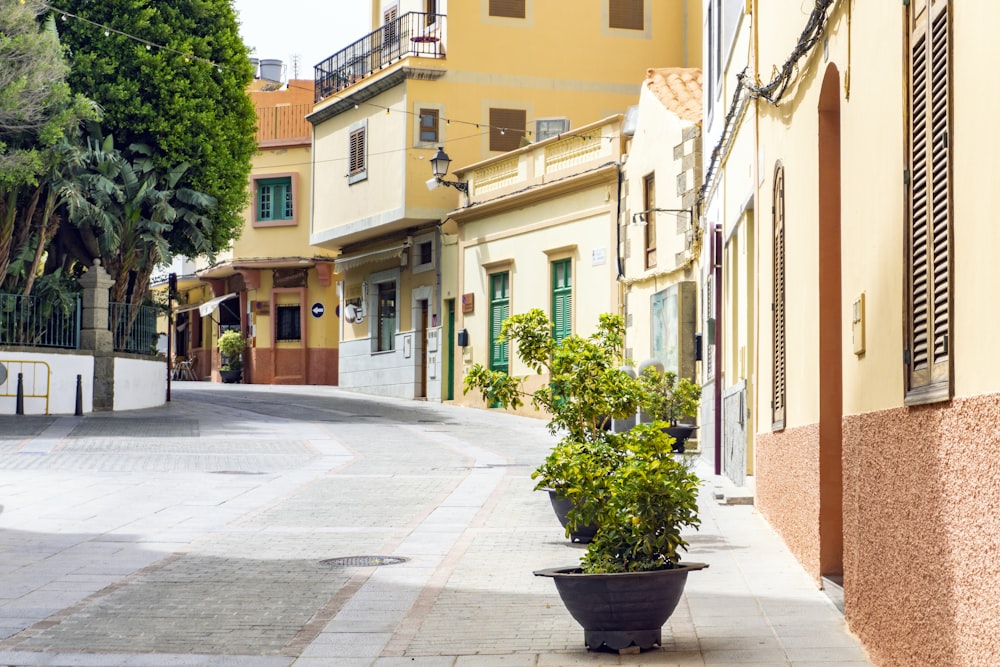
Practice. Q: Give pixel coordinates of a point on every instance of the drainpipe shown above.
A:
(717, 268)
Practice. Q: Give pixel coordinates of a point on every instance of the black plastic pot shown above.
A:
(562, 506)
(622, 609)
(230, 377)
(680, 434)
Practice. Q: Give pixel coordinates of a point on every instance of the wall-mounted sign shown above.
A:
(468, 302)
(598, 256)
(317, 309)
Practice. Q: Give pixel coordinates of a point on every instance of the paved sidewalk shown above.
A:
(277, 526)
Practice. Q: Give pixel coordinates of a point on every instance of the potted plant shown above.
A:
(671, 398)
(628, 484)
(231, 346)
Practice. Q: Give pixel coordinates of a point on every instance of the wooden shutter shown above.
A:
(356, 159)
(626, 14)
(429, 119)
(508, 8)
(562, 299)
(507, 127)
(928, 345)
(778, 394)
(264, 201)
(649, 203)
(499, 311)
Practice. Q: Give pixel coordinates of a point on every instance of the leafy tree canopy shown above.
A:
(187, 102)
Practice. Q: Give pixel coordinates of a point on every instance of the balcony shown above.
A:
(412, 34)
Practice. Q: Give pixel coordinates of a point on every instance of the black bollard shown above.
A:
(79, 396)
(19, 409)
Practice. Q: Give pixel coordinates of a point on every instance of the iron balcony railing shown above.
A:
(412, 34)
(134, 328)
(34, 322)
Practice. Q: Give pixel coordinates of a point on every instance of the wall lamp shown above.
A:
(439, 166)
(640, 217)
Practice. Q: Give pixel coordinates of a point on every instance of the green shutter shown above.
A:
(499, 311)
(562, 299)
(274, 199)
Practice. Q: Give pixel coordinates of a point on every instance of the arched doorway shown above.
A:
(831, 522)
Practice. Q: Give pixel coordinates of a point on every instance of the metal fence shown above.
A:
(134, 328)
(33, 322)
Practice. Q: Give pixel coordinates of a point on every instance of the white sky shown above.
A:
(312, 29)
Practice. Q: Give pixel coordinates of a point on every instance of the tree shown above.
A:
(38, 115)
(186, 101)
(122, 208)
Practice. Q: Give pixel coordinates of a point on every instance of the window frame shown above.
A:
(288, 314)
(779, 389)
(928, 345)
(415, 256)
(562, 297)
(382, 321)
(649, 229)
(435, 127)
(292, 186)
(499, 310)
(357, 152)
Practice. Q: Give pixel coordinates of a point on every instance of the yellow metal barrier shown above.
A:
(36, 379)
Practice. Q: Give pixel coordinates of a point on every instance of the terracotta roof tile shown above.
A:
(678, 89)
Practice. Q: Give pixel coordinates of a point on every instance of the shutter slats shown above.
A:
(507, 127)
(507, 8)
(778, 392)
(499, 311)
(626, 14)
(929, 372)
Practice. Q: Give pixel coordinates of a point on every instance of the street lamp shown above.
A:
(439, 167)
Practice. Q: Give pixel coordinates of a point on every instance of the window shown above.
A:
(626, 14)
(289, 323)
(274, 200)
(508, 8)
(386, 317)
(429, 125)
(425, 252)
(562, 299)
(928, 341)
(778, 303)
(499, 311)
(550, 127)
(507, 128)
(430, 8)
(357, 160)
(648, 204)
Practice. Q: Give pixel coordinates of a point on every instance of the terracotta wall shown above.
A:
(922, 532)
(321, 367)
(787, 494)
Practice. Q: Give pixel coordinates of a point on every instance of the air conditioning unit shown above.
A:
(550, 127)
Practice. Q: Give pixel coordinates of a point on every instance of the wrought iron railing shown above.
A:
(412, 34)
(134, 328)
(35, 322)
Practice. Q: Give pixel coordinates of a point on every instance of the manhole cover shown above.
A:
(362, 561)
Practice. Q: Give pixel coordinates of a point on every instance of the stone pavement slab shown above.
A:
(201, 533)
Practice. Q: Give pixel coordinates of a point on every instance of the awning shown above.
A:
(342, 264)
(209, 306)
(205, 308)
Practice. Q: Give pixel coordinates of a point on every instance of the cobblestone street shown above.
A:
(202, 533)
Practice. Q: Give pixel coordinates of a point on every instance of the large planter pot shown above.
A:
(230, 377)
(680, 434)
(562, 506)
(622, 609)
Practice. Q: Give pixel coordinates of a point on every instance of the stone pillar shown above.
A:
(96, 335)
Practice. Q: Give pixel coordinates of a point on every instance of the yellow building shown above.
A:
(659, 233)
(477, 78)
(274, 287)
(538, 231)
(877, 381)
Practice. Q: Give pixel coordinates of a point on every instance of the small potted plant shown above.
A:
(231, 346)
(671, 398)
(626, 484)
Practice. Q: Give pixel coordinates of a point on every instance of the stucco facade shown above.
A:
(870, 475)
(456, 79)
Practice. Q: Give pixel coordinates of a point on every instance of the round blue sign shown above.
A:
(318, 310)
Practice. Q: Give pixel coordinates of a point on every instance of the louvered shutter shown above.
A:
(499, 311)
(508, 8)
(929, 247)
(778, 303)
(356, 158)
(562, 299)
(507, 127)
(626, 14)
